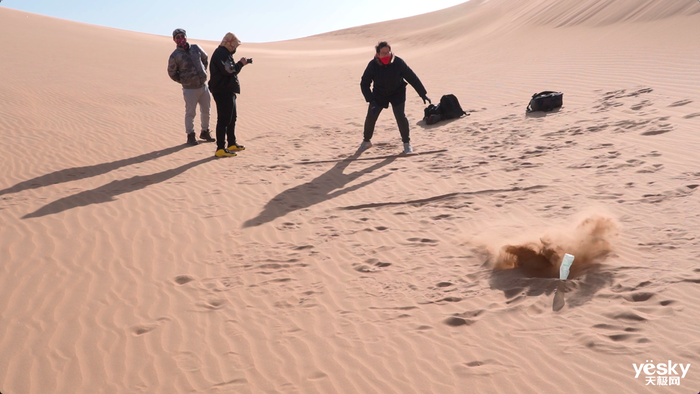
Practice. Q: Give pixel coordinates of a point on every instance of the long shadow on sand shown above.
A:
(107, 192)
(77, 173)
(541, 114)
(327, 186)
(439, 124)
(441, 197)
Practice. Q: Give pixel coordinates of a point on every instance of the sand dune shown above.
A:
(132, 263)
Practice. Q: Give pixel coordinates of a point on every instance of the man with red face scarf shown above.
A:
(388, 74)
(188, 66)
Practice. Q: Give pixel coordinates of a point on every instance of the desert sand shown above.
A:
(133, 263)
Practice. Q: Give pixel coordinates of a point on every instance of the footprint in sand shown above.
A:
(442, 300)
(681, 103)
(280, 280)
(638, 297)
(610, 339)
(142, 329)
(371, 266)
(316, 375)
(645, 103)
(239, 381)
(480, 368)
(423, 241)
(286, 304)
(219, 284)
(627, 316)
(651, 169)
(288, 226)
(595, 129)
(621, 333)
(439, 294)
(463, 319)
(630, 124)
(658, 126)
(639, 92)
(693, 280)
(609, 99)
(618, 288)
(652, 154)
(680, 192)
(648, 301)
(211, 304)
(657, 131)
(183, 279)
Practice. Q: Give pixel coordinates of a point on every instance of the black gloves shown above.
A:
(425, 98)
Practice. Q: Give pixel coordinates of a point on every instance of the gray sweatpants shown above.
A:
(192, 98)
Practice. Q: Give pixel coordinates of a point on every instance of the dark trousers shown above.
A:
(400, 115)
(225, 119)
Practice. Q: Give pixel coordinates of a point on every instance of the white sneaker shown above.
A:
(407, 148)
(364, 146)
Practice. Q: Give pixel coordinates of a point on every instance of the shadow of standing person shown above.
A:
(107, 192)
(327, 186)
(78, 173)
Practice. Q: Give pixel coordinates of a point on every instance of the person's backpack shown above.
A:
(448, 108)
(545, 101)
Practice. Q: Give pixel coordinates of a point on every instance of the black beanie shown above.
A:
(179, 31)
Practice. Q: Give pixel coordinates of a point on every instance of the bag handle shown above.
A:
(543, 93)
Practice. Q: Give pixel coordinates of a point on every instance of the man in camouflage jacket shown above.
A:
(188, 66)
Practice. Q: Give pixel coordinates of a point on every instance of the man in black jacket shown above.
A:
(223, 85)
(389, 74)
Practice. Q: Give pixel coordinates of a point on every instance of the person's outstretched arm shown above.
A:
(366, 83)
(413, 79)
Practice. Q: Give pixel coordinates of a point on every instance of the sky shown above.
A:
(251, 20)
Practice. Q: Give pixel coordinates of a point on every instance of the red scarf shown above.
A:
(182, 43)
(385, 60)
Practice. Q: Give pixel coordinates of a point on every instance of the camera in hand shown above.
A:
(249, 60)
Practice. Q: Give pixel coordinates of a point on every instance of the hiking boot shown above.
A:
(407, 148)
(235, 147)
(206, 136)
(364, 146)
(224, 153)
(191, 140)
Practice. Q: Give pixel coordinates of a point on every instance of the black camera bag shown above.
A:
(432, 114)
(448, 108)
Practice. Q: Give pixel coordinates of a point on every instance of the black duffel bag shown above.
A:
(546, 101)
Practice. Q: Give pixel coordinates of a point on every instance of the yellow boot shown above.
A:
(224, 153)
(235, 147)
